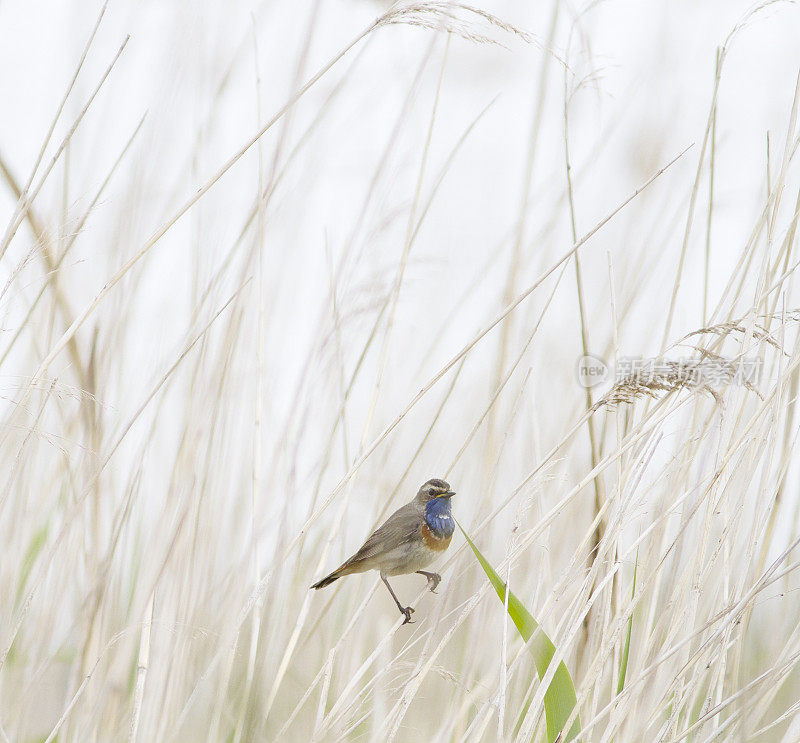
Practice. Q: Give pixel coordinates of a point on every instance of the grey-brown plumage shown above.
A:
(410, 539)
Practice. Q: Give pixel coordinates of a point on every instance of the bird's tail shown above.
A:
(328, 579)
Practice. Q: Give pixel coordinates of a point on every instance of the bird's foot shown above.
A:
(407, 611)
(434, 579)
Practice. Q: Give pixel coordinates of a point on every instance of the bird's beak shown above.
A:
(448, 494)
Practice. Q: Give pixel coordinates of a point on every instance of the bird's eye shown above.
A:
(431, 491)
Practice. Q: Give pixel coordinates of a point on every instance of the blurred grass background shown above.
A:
(226, 355)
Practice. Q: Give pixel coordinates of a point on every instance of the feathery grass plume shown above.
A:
(709, 373)
(453, 18)
(734, 326)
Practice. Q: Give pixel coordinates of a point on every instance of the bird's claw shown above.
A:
(408, 611)
(433, 582)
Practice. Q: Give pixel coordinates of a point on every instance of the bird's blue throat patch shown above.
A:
(439, 518)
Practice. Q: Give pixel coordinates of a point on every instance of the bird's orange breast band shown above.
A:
(433, 542)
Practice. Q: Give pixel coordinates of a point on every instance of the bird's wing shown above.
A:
(401, 527)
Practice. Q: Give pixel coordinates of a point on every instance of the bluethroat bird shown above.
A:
(409, 540)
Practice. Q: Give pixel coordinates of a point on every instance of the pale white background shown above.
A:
(640, 83)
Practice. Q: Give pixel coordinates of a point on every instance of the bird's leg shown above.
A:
(407, 611)
(434, 579)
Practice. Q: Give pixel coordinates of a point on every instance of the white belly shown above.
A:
(407, 559)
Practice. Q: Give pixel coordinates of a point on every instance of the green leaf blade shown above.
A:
(560, 698)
